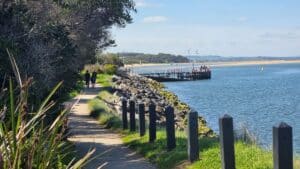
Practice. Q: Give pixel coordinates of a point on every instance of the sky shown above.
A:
(212, 27)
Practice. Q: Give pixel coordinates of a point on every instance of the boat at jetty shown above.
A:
(201, 73)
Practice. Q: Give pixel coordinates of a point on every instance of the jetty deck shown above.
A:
(175, 75)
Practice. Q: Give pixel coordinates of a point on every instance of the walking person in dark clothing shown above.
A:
(94, 78)
(87, 79)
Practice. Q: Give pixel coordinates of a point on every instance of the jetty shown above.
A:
(200, 73)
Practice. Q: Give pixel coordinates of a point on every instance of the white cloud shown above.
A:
(141, 4)
(144, 4)
(155, 19)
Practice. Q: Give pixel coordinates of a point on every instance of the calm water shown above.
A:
(256, 98)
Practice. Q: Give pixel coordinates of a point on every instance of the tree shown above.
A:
(52, 40)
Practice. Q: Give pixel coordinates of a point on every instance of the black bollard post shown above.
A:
(170, 127)
(283, 146)
(152, 123)
(193, 144)
(124, 114)
(142, 119)
(132, 115)
(227, 142)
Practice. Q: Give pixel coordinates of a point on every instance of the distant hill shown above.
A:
(213, 58)
(135, 58)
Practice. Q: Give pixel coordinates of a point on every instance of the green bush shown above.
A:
(110, 69)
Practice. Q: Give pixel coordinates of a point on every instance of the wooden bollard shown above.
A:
(152, 123)
(124, 114)
(142, 119)
(1, 161)
(170, 128)
(132, 115)
(283, 146)
(227, 142)
(192, 134)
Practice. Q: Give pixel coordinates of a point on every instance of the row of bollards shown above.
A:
(282, 135)
(282, 145)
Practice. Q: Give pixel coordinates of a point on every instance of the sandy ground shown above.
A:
(86, 134)
(222, 64)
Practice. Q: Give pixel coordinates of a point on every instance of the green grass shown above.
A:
(247, 156)
(104, 114)
(107, 96)
(105, 80)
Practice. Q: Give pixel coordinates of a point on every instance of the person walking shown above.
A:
(87, 79)
(94, 78)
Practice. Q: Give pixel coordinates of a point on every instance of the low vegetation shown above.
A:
(137, 58)
(25, 140)
(105, 80)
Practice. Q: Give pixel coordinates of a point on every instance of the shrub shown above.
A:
(110, 69)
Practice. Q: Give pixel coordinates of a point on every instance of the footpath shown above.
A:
(86, 134)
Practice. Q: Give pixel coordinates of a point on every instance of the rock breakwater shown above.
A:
(147, 91)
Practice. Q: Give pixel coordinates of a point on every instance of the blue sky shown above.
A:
(213, 27)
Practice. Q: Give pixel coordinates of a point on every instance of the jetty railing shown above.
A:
(282, 135)
(179, 75)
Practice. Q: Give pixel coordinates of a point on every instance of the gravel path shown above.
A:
(87, 134)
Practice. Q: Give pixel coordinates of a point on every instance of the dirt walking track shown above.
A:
(86, 134)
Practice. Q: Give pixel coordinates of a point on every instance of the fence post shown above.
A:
(152, 123)
(193, 144)
(170, 128)
(1, 161)
(142, 119)
(283, 146)
(132, 115)
(124, 114)
(227, 142)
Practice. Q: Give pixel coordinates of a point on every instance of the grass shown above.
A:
(247, 156)
(107, 96)
(104, 114)
(105, 80)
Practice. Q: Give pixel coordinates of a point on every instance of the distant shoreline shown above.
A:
(220, 63)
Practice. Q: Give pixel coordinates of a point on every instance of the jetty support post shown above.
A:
(283, 146)
(142, 119)
(192, 134)
(170, 128)
(227, 142)
(152, 123)
(124, 114)
(132, 115)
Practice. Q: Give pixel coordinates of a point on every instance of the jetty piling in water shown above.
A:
(179, 75)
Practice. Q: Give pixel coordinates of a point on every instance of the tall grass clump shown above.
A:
(25, 140)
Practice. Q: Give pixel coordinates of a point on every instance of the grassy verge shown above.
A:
(104, 80)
